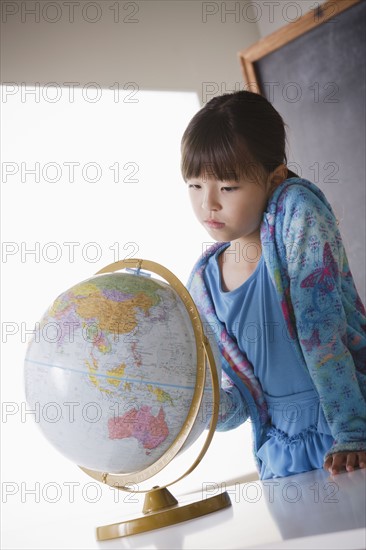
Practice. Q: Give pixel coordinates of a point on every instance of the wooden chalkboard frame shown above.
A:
(284, 35)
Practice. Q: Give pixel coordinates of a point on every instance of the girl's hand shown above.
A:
(337, 462)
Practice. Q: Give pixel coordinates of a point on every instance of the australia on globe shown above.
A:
(112, 369)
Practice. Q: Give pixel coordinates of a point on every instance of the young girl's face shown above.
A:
(229, 210)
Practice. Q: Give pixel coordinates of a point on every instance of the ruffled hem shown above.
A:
(284, 455)
(282, 436)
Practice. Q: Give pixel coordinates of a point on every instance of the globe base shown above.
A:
(158, 499)
(163, 510)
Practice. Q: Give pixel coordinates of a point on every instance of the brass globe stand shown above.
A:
(161, 508)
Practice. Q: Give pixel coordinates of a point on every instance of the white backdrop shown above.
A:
(89, 176)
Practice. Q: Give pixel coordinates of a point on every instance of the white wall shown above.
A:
(160, 45)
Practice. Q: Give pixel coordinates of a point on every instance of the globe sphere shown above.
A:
(112, 370)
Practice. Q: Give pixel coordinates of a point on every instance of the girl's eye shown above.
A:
(194, 186)
(229, 189)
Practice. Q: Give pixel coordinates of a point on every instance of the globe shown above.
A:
(112, 367)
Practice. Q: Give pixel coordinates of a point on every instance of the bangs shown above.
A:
(216, 156)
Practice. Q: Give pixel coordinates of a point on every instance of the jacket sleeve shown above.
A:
(312, 253)
(233, 409)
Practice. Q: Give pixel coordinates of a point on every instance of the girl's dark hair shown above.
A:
(233, 135)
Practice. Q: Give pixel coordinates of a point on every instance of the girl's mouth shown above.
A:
(213, 224)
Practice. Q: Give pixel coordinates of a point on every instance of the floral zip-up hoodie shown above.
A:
(325, 317)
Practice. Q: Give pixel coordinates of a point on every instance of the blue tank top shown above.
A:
(252, 315)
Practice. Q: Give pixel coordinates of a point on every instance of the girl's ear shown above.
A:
(277, 177)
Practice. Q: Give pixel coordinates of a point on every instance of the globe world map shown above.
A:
(112, 367)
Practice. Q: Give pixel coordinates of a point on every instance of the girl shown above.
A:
(277, 293)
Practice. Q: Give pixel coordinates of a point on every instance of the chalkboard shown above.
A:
(313, 72)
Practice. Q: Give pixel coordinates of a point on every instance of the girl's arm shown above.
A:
(328, 315)
(233, 410)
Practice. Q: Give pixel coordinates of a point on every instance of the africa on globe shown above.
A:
(112, 365)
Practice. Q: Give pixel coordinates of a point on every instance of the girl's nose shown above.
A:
(210, 202)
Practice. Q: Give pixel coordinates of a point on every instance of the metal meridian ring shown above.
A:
(121, 481)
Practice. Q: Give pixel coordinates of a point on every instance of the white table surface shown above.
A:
(311, 510)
